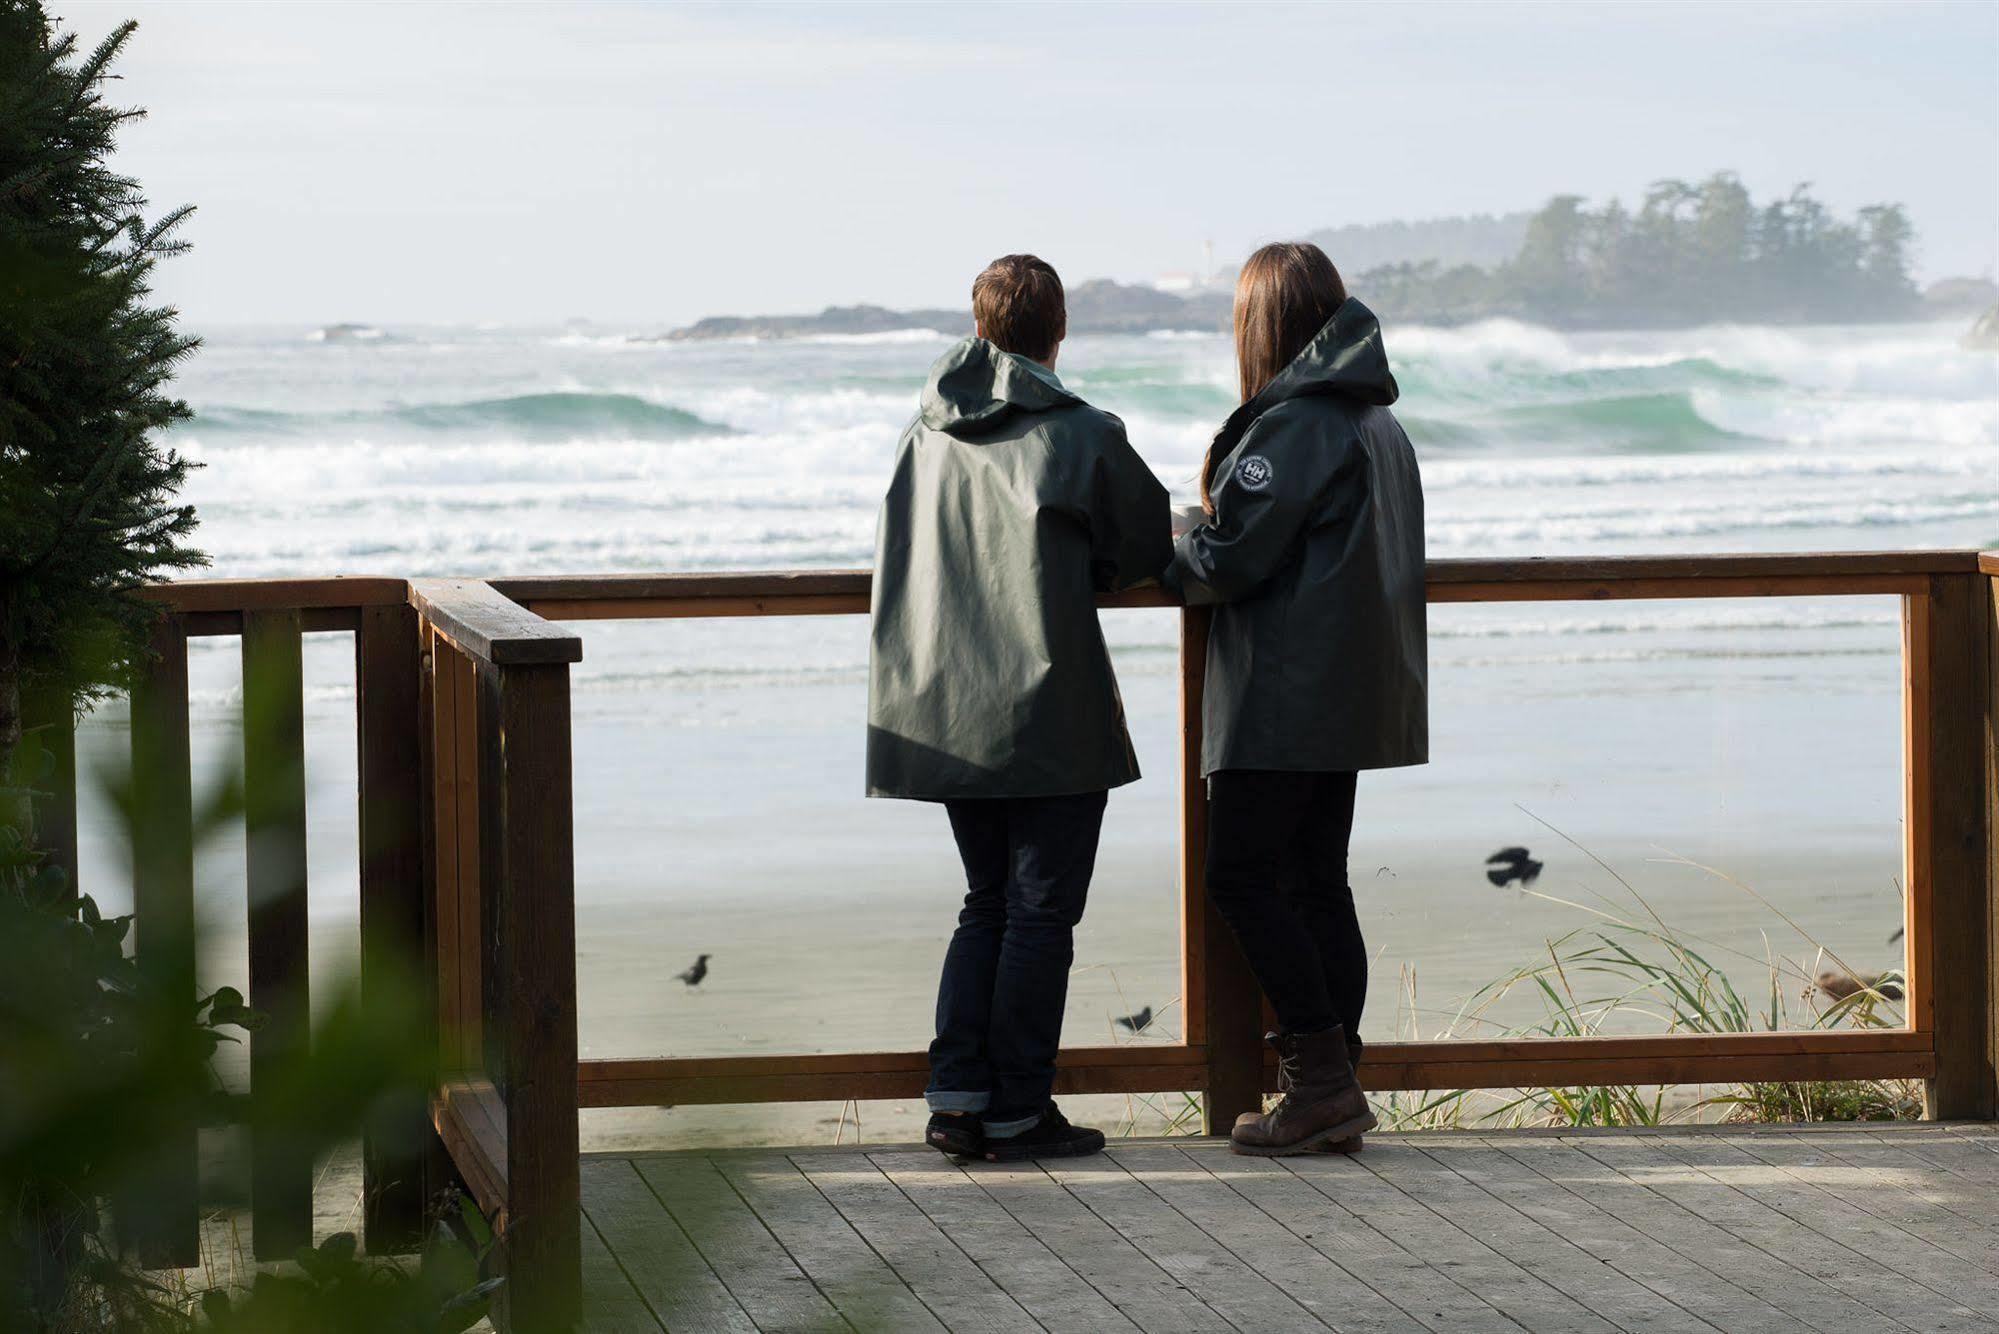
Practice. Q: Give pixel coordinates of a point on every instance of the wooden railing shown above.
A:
(466, 847)
(501, 903)
(270, 616)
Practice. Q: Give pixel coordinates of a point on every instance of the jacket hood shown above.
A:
(975, 386)
(1344, 358)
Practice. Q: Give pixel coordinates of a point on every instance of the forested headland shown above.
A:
(1686, 254)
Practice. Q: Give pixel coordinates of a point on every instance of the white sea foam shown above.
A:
(1533, 442)
(881, 338)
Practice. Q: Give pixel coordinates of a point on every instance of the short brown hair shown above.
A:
(1018, 303)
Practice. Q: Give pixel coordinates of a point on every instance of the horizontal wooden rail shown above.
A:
(240, 595)
(215, 606)
(1687, 1058)
(1528, 579)
(839, 1076)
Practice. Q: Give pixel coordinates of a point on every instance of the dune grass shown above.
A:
(1630, 971)
(1625, 971)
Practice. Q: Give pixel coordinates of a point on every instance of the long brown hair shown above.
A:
(1284, 295)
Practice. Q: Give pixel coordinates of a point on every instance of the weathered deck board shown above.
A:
(758, 1271)
(1017, 1259)
(1611, 1239)
(961, 1294)
(1225, 1282)
(1786, 1240)
(1096, 1252)
(661, 1265)
(1821, 1228)
(854, 1278)
(1545, 1252)
(1430, 1231)
(1426, 1293)
(1309, 1276)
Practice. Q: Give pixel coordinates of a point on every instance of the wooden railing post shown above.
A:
(158, 1211)
(1224, 1008)
(1950, 936)
(537, 965)
(398, 1141)
(275, 876)
(1986, 594)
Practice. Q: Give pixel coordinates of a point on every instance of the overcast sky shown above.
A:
(652, 164)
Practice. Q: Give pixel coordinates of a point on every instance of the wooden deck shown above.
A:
(1768, 1229)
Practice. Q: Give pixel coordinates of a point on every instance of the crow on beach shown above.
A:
(1512, 864)
(692, 976)
(1136, 1023)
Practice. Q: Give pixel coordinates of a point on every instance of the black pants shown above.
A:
(1006, 974)
(1277, 872)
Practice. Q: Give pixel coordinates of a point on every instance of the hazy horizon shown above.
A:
(653, 164)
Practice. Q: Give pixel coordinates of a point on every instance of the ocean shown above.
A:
(718, 764)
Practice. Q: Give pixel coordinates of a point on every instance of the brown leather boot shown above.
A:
(1353, 1143)
(1322, 1102)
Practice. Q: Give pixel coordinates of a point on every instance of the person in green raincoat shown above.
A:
(1013, 503)
(1311, 550)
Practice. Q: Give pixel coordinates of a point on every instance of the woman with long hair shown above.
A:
(1312, 550)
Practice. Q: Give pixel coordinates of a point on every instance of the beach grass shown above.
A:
(1630, 970)
(1627, 970)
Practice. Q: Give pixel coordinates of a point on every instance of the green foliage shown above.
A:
(103, 1069)
(1824, 1100)
(87, 495)
(335, 1290)
(108, 1061)
(1690, 254)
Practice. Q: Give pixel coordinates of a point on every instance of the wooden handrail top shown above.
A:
(1553, 576)
(197, 596)
(486, 624)
(854, 583)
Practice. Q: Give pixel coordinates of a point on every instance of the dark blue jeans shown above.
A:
(1277, 872)
(1006, 974)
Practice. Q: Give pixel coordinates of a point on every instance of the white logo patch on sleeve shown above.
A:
(1254, 472)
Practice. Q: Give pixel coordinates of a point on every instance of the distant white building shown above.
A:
(1180, 282)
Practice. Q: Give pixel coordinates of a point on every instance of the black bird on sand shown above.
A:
(692, 977)
(1512, 864)
(1137, 1023)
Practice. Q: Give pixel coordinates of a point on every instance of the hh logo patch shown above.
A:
(1254, 472)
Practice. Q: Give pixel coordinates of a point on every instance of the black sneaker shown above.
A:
(1050, 1137)
(959, 1135)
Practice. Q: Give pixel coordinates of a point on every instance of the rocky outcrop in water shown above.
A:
(1098, 306)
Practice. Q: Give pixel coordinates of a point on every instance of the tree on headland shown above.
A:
(1688, 254)
(87, 493)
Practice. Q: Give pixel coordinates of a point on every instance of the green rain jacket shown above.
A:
(1013, 504)
(1318, 658)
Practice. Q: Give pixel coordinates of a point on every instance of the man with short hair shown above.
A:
(1012, 505)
